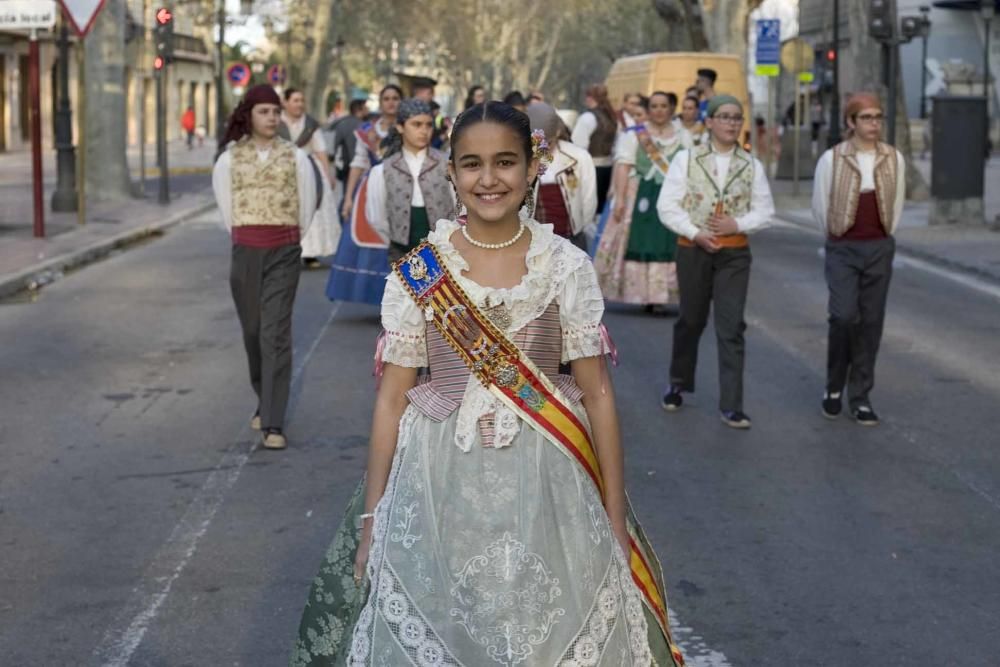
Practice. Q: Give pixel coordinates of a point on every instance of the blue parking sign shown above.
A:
(768, 47)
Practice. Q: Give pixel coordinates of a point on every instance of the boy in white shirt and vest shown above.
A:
(713, 197)
(266, 189)
(858, 195)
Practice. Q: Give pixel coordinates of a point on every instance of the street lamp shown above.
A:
(833, 138)
(925, 31)
(220, 75)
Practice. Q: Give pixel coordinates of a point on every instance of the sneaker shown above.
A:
(832, 405)
(864, 415)
(255, 421)
(672, 400)
(735, 419)
(311, 263)
(273, 439)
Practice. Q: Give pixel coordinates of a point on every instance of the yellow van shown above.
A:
(675, 73)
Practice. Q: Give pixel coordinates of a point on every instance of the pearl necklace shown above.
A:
(493, 246)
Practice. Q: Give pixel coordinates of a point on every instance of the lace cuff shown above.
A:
(581, 342)
(408, 350)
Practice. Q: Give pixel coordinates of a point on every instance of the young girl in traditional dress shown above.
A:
(635, 258)
(361, 263)
(495, 529)
(408, 192)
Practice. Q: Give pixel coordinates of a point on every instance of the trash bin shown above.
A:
(958, 159)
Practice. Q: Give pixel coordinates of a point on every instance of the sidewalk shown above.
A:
(27, 262)
(971, 248)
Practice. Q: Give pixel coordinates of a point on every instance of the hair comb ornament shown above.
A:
(540, 150)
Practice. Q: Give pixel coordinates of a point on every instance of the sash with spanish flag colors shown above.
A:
(513, 378)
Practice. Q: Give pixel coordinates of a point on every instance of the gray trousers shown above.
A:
(263, 282)
(718, 281)
(857, 275)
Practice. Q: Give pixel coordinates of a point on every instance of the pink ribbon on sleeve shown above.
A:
(608, 345)
(379, 363)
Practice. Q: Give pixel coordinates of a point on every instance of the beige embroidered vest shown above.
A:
(265, 192)
(703, 193)
(846, 187)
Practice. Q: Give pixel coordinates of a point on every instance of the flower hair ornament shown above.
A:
(540, 150)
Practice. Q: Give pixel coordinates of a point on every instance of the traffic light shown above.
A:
(880, 21)
(158, 64)
(831, 55)
(163, 34)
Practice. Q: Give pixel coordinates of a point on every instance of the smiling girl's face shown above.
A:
(491, 171)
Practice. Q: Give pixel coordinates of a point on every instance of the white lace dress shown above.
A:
(490, 546)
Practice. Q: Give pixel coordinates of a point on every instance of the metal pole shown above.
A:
(986, 80)
(34, 100)
(770, 128)
(891, 75)
(163, 196)
(64, 198)
(797, 122)
(923, 79)
(833, 138)
(220, 80)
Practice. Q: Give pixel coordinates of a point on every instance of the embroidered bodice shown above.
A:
(555, 316)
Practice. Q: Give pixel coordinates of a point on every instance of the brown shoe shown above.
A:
(255, 422)
(274, 440)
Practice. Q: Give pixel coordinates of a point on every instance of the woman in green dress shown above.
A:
(635, 259)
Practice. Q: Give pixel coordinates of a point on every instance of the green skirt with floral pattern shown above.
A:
(335, 601)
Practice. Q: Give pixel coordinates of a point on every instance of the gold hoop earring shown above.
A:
(459, 206)
(529, 201)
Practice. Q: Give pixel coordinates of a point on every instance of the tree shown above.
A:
(107, 175)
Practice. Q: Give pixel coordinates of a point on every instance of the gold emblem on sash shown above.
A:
(418, 267)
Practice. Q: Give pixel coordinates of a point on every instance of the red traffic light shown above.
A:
(158, 62)
(831, 55)
(164, 16)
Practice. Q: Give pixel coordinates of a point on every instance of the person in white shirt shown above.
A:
(303, 130)
(565, 194)
(266, 190)
(858, 195)
(408, 192)
(714, 196)
(595, 131)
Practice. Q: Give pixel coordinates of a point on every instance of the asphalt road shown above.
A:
(139, 526)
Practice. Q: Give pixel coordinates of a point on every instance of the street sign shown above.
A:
(276, 75)
(27, 14)
(768, 47)
(797, 56)
(238, 74)
(806, 77)
(81, 14)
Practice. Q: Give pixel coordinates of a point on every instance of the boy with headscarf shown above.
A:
(266, 189)
(714, 196)
(408, 192)
(565, 195)
(858, 198)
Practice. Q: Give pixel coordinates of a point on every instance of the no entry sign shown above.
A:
(81, 14)
(238, 74)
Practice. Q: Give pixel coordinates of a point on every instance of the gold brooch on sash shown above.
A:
(418, 267)
(500, 316)
(503, 373)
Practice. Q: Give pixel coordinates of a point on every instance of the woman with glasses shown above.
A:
(858, 196)
(714, 196)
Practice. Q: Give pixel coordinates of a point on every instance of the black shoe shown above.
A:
(672, 400)
(735, 419)
(864, 415)
(311, 263)
(832, 405)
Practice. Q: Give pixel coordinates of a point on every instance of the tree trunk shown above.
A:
(106, 121)
(317, 72)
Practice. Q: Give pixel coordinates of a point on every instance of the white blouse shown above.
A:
(558, 272)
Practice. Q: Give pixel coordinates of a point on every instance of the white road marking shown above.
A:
(959, 277)
(696, 652)
(123, 638)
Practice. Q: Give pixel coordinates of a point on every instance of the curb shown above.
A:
(24, 279)
(902, 248)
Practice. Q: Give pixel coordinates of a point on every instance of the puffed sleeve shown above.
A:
(222, 185)
(627, 148)
(405, 338)
(581, 307)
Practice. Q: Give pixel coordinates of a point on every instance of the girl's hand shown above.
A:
(621, 534)
(618, 212)
(361, 559)
(345, 210)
